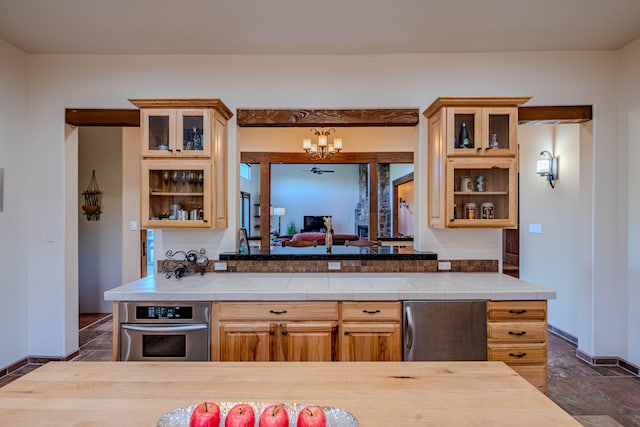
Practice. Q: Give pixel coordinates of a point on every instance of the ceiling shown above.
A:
(316, 27)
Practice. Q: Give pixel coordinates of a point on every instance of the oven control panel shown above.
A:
(160, 312)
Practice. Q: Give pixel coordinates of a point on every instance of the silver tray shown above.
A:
(336, 417)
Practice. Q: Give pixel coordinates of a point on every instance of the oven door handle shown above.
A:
(177, 328)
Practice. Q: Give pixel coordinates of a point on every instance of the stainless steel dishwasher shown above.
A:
(445, 330)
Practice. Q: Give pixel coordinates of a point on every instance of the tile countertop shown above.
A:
(330, 287)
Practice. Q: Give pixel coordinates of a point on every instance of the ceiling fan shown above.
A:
(319, 171)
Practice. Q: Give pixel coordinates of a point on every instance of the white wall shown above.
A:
(100, 242)
(550, 257)
(340, 81)
(629, 161)
(354, 139)
(14, 226)
(301, 193)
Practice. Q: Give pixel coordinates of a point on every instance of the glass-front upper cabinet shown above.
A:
(479, 126)
(482, 131)
(176, 132)
(481, 193)
(176, 194)
(473, 158)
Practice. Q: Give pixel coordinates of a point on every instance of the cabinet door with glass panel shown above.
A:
(481, 192)
(176, 194)
(176, 132)
(483, 131)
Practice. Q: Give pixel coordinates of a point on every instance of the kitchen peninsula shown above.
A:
(345, 316)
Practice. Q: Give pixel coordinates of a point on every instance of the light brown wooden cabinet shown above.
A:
(490, 152)
(306, 331)
(371, 331)
(184, 183)
(517, 335)
(184, 162)
(278, 331)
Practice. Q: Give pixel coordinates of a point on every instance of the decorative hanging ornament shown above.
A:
(92, 199)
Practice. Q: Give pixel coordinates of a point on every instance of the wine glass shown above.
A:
(184, 177)
(174, 178)
(165, 177)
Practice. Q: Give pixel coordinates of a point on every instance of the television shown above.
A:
(314, 223)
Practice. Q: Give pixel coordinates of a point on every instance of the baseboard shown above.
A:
(595, 360)
(35, 360)
(564, 335)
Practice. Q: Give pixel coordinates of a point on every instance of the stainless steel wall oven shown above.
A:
(164, 331)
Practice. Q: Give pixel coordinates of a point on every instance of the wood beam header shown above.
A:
(379, 157)
(555, 114)
(336, 118)
(102, 117)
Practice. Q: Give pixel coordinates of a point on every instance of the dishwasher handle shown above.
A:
(155, 328)
(408, 327)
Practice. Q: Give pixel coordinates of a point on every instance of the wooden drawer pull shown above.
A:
(517, 311)
(519, 355)
(371, 311)
(277, 312)
(518, 333)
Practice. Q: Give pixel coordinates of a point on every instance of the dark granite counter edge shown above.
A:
(232, 256)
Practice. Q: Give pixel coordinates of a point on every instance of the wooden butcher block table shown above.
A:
(376, 393)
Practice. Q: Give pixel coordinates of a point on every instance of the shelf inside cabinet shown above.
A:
(164, 193)
(481, 193)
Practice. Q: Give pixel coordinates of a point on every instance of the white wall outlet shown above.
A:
(133, 226)
(334, 265)
(535, 228)
(220, 266)
(444, 265)
(51, 236)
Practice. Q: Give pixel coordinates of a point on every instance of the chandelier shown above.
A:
(322, 149)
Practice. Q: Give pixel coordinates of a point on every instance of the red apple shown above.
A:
(206, 414)
(312, 416)
(240, 415)
(274, 416)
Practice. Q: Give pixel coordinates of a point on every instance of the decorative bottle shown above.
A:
(463, 139)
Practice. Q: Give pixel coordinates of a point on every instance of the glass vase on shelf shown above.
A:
(494, 144)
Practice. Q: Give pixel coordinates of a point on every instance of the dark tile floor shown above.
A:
(597, 396)
(594, 395)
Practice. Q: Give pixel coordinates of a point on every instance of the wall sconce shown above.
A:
(547, 165)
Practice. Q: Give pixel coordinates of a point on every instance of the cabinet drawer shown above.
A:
(517, 331)
(518, 353)
(373, 311)
(270, 311)
(535, 374)
(516, 310)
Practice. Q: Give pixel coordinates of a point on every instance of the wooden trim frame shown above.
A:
(213, 103)
(336, 118)
(372, 159)
(503, 101)
(396, 199)
(555, 114)
(102, 117)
